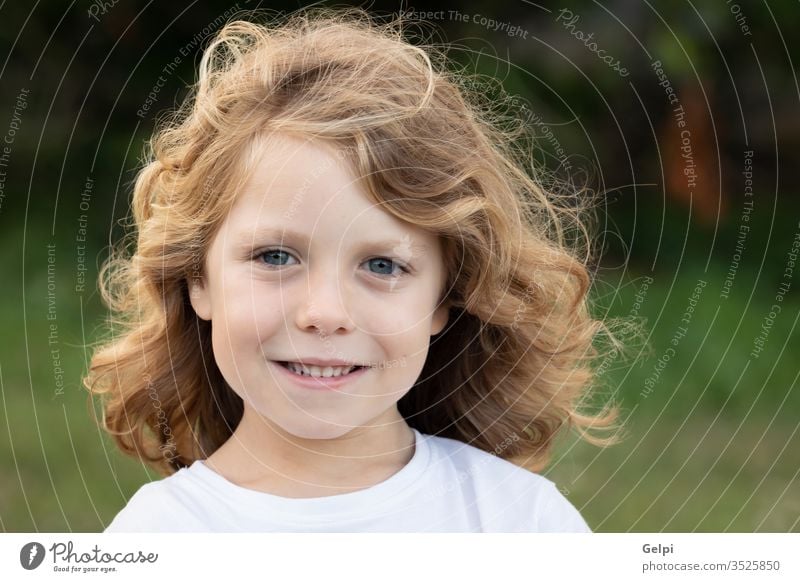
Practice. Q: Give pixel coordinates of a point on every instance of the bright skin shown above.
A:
(306, 265)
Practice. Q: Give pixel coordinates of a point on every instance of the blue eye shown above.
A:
(276, 254)
(383, 263)
(385, 266)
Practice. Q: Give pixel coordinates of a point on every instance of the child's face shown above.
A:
(331, 287)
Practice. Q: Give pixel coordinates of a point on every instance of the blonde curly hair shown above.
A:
(516, 361)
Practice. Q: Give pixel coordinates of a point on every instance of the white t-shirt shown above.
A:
(448, 486)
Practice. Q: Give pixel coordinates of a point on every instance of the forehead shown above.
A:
(307, 187)
(294, 174)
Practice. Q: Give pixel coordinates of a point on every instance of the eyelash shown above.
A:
(403, 268)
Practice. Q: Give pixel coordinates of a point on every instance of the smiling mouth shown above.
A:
(319, 371)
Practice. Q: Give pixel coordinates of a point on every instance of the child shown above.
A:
(349, 307)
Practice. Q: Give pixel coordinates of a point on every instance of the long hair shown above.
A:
(516, 361)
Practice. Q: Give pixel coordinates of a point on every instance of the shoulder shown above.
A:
(511, 498)
(159, 506)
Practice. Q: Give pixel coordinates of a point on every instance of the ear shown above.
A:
(200, 298)
(440, 317)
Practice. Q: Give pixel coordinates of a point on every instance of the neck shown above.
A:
(260, 455)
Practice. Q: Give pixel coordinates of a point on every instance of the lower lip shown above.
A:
(332, 383)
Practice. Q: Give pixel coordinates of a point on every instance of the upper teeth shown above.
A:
(317, 371)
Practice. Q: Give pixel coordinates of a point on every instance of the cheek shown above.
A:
(251, 304)
(245, 316)
(406, 348)
(404, 366)
(396, 315)
(238, 344)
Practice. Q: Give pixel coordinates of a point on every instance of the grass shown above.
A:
(704, 475)
(712, 445)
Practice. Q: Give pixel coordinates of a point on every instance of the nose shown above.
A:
(323, 308)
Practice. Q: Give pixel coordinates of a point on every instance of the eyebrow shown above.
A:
(255, 235)
(258, 234)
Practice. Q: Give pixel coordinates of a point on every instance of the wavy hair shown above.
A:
(517, 360)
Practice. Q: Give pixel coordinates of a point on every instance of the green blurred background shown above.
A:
(712, 426)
